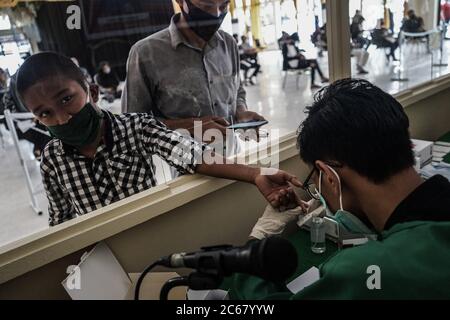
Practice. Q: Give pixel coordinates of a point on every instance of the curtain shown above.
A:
(176, 7)
(255, 12)
(232, 8)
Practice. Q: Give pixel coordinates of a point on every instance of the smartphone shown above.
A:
(248, 125)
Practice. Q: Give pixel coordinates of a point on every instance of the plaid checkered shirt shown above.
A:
(122, 166)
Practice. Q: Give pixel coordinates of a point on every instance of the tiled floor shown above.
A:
(284, 108)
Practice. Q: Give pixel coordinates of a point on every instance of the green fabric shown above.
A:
(414, 259)
(447, 159)
(244, 287)
(445, 137)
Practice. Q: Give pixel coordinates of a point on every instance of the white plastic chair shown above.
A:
(11, 118)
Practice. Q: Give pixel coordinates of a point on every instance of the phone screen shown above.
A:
(248, 125)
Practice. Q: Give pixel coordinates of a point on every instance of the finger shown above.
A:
(259, 117)
(221, 121)
(275, 202)
(304, 205)
(251, 134)
(294, 180)
(215, 125)
(283, 198)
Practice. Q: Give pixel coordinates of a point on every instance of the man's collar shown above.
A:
(429, 202)
(177, 38)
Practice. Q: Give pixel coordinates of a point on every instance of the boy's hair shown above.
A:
(354, 123)
(45, 65)
(102, 64)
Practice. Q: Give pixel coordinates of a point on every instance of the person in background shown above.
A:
(108, 81)
(385, 39)
(11, 101)
(3, 80)
(362, 57)
(413, 23)
(445, 15)
(249, 61)
(3, 90)
(249, 50)
(358, 17)
(97, 158)
(445, 11)
(285, 37)
(84, 70)
(357, 30)
(319, 39)
(189, 73)
(294, 59)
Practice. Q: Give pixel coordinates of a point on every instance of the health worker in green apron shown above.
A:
(356, 141)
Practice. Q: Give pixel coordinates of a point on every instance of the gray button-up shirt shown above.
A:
(174, 80)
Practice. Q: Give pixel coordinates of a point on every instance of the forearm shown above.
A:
(227, 171)
(241, 108)
(241, 104)
(175, 124)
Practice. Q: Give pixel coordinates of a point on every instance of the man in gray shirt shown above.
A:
(189, 72)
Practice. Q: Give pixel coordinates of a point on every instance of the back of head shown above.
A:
(102, 65)
(356, 124)
(45, 65)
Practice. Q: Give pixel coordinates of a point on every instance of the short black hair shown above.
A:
(354, 123)
(44, 65)
(102, 64)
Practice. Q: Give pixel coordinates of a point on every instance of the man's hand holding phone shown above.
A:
(249, 120)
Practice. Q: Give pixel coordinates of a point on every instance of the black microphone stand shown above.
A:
(195, 281)
(170, 284)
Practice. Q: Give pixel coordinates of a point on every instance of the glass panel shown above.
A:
(284, 39)
(399, 44)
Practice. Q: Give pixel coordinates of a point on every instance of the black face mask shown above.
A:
(205, 25)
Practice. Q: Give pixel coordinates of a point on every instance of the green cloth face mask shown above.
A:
(348, 220)
(81, 130)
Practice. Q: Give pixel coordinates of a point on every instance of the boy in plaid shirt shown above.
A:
(97, 158)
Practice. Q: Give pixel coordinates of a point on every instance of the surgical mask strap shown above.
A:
(88, 100)
(340, 185)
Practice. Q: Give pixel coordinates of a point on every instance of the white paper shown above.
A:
(24, 126)
(101, 277)
(207, 295)
(305, 280)
(441, 149)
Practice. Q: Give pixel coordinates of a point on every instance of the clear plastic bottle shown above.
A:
(318, 243)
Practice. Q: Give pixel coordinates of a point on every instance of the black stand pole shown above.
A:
(195, 281)
(400, 62)
(169, 285)
(441, 63)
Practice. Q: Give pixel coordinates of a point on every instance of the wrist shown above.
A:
(254, 174)
(241, 108)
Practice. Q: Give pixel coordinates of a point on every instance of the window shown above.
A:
(398, 44)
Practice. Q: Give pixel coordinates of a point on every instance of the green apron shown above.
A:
(413, 260)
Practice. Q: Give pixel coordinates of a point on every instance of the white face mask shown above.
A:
(348, 220)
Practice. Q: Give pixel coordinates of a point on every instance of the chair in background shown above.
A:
(11, 120)
(295, 71)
